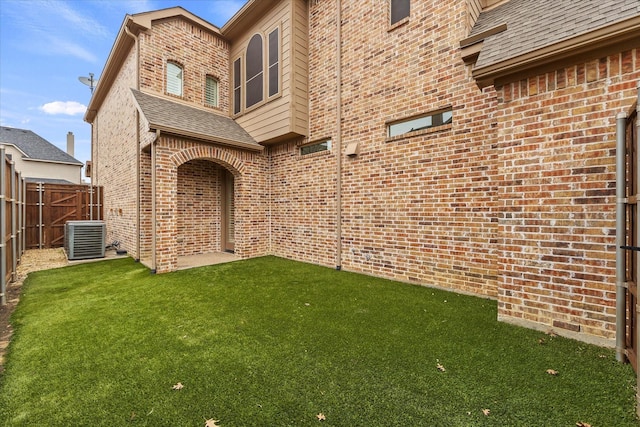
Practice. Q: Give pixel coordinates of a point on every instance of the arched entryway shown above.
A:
(205, 220)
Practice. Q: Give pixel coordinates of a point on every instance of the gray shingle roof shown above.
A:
(190, 122)
(534, 24)
(34, 146)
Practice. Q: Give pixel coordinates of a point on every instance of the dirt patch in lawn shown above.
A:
(32, 260)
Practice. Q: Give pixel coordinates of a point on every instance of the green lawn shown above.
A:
(271, 342)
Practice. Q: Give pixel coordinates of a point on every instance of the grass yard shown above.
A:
(271, 342)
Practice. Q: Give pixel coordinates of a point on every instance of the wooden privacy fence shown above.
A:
(33, 215)
(12, 196)
(50, 206)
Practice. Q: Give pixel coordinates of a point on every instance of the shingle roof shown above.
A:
(534, 24)
(190, 122)
(34, 146)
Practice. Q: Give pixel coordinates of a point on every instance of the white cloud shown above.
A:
(70, 108)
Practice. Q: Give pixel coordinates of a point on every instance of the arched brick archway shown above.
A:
(179, 163)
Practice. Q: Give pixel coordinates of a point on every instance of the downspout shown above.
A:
(338, 142)
(138, 149)
(621, 261)
(153, 203)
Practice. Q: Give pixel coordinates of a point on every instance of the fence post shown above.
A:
(14, 225)
(3, 229)
(24, 215)
(40, 203)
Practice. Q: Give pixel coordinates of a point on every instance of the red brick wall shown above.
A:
(199, 52)
(419, 208)
(556, 141)
(198, 213)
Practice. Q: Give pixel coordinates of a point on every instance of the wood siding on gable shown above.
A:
(284, 115)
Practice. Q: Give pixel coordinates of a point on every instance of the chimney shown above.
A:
(70, 143)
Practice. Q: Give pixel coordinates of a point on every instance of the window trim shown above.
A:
(181, 73)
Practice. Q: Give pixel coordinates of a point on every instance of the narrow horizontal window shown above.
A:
(420, 123)
(315, 148)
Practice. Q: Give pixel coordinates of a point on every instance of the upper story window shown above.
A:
(261, 68)
(237, 86)
(400, 9)
(419, 123)
(254, 72)
(174, 78)
(211, 91)
(274, 61)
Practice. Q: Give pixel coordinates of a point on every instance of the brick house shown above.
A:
(468, 144)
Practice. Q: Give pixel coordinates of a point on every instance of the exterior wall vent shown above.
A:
(84, 239)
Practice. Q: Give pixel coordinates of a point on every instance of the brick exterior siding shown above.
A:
(557, 166)
(513, 200)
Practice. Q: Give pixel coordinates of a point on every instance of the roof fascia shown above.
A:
(246, 17)
(200, 137)
(620, 32)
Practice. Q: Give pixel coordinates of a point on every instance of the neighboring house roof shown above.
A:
(546, 29)
(48, 180)
(34, 147)
(182, 120)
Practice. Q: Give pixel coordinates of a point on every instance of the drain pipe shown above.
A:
(138, 150)
(338, 143)
(154, 226)
(621, 260)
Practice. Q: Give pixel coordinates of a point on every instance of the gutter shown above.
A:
(619, 32)
(154, 227)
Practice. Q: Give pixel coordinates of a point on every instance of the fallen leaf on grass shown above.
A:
(211, 423)
(321, 417)
(486, 412)
(552, 372)
(541, 341)
(440, 367)
(178, 386)
(551, 333)
(581, 424)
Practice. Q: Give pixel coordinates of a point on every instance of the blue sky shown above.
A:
(45, 45)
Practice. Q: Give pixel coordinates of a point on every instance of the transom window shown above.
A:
(400, 9)
(174, 78)
(420, 123)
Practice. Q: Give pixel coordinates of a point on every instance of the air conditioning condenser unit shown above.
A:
(84, 239)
